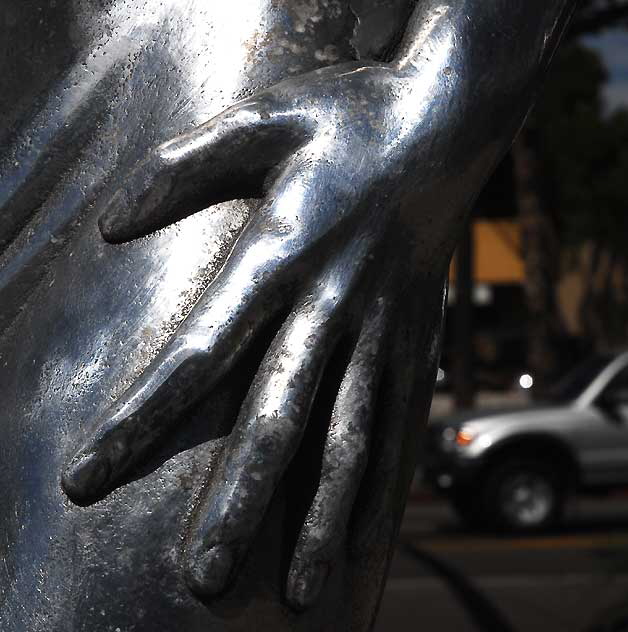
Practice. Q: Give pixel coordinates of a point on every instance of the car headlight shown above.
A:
(452, 438)
(464, 437)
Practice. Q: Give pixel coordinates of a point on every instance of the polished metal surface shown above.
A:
(231, 401)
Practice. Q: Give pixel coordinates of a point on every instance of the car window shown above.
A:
(574, 383)
(617, 390)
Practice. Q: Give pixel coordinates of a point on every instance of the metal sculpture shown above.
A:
(231, 403)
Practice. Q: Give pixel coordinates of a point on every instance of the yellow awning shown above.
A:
(496, 253)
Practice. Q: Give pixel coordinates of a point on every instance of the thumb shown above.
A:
(227, 158)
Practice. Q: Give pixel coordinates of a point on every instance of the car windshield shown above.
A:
(574, 382)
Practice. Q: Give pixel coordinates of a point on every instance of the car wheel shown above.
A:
(523, 495)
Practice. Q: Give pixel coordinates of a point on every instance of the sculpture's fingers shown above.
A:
(139, 420)
(256, 280)
(405, 396)
(193, 362)
(229, 157)
(246, 294)
(263, 442)
(344, 460)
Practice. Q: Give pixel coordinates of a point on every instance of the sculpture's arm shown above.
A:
(368, 171)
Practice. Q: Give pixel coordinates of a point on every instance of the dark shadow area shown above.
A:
(484, 614)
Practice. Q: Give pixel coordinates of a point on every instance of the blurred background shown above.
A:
(518, 517)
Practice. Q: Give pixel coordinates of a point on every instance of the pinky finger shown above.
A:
(344, 462)
(405, 397)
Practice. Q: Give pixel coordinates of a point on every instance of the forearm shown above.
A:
(466, 73)
(483, 58)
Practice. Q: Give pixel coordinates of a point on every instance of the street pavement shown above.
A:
(564, 581)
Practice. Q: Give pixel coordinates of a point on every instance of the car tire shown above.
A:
(523, 495)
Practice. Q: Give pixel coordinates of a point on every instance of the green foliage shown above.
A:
(583, 152)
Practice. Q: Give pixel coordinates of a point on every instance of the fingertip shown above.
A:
(142, 204)
(305, 584)
(85, 478)
(113, 223)
(208, 573)
(109, 231)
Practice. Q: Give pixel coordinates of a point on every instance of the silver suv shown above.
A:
(512, 469)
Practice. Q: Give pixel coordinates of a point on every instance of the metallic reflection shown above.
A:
(124, 364)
